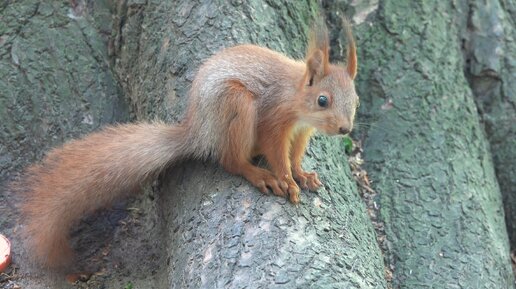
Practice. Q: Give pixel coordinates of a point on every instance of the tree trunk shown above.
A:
(425, 149)
(490, 68)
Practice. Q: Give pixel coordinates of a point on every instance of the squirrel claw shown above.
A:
(303, 183)
(308, 180)
(294, 198)
(275, 187)
(262, 187)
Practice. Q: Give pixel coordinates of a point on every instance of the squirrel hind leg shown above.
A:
(240, 115)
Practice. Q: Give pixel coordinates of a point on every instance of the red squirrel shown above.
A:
(245, 101)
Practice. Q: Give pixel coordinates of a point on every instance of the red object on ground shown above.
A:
(5, 253)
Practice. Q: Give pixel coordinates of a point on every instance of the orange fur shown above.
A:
(88, 174)
(299, 143)
(244, 101)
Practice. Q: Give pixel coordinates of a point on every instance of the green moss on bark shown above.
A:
(54, 80)
(427, 153)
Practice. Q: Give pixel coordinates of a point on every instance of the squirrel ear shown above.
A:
(318, 53)
(315, 67)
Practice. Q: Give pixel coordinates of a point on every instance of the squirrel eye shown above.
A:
(322, 101)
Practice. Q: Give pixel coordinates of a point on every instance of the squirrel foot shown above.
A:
(308, 180)
(293, 192)
(265, 180)
(283, 188)
(292, 189)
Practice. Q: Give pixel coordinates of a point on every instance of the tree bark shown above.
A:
(425, 149)
(55, 83)
(490, 68)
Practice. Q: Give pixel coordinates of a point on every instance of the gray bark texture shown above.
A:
(423, 66)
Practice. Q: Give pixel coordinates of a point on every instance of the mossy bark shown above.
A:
(425, 149)
(55, 82)
(489, 39)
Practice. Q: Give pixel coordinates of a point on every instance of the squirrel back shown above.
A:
(270, 77)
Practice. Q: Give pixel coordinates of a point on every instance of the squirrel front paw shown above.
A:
(308, 180)
(292, 189)
(293, 193)
(282, 187)
(265, 180)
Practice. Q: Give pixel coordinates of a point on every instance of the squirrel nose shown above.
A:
(344, 130)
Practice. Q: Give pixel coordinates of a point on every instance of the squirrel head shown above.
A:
(328, 91)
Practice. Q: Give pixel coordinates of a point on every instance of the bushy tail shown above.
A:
(87, 174)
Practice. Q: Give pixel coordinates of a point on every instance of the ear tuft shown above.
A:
(352, 64)
(315, 67)
(317, 54)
